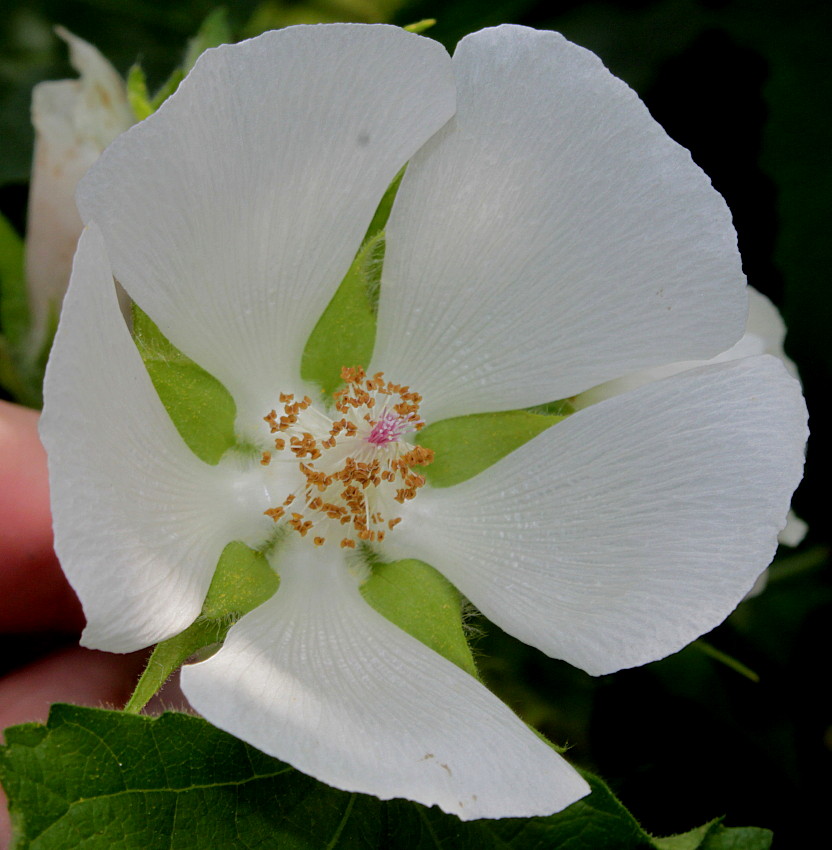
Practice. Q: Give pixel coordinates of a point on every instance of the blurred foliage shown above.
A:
(155, 32)
(745, 86)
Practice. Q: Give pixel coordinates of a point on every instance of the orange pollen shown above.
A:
(354, 468)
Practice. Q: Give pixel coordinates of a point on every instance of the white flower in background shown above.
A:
(74, 121)
(547, 237)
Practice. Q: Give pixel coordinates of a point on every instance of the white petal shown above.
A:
(765, 333)
(233, 213)
(74, 121)
(139, 520)
(624, 532)
(319, 679)
(551, 237)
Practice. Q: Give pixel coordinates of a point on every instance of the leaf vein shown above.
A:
(340, 828)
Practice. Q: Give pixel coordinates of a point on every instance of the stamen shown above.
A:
(354, 468)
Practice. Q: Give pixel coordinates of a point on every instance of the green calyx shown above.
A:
(242, 581)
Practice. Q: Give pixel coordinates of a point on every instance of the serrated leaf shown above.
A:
(345, 333)
(715, 836)
(422, 602)
(200, 407)
(738, 838)
(464, 446)
(96, 780)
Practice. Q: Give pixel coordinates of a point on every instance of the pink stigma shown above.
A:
(389, 428)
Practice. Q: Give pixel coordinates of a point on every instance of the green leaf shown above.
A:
(95, 780)
(715, 836)
(242, 581)
(201, 408)
(422, 602)
(137, 93)
(345, 333)
(466, 445)
(14, 305)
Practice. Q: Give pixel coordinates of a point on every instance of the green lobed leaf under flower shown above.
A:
(94, 779)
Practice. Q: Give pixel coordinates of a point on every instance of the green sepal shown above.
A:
(242, 581)
(170, 655)
(169, 86)
(345, 333)
(213, 31)
(464, 446)
(382, 213)
(97, 779)
(200, 407)
(562, 407)
(423, 603)
(137, 94)
(421, 26)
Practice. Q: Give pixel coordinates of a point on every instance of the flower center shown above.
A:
(355, 467)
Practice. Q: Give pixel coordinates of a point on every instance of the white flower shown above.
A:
(547, 237)
(765, 333)
(74, 121)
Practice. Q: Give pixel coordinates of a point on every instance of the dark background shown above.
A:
(746, 86)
